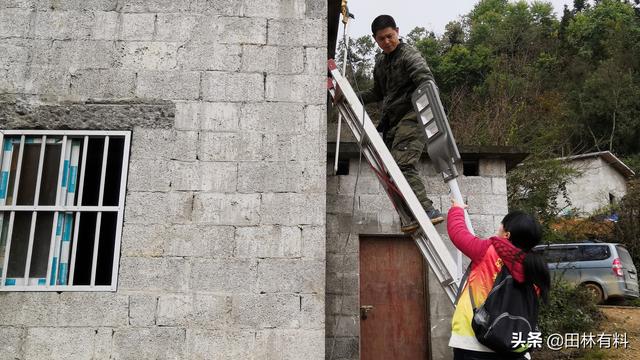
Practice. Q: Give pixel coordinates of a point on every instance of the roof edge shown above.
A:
(510, 154)
(609, 158)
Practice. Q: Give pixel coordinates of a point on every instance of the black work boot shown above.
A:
(412, 226)
(436, 216)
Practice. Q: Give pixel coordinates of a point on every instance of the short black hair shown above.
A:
(382, 22)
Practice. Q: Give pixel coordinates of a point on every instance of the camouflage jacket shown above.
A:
(395, 77)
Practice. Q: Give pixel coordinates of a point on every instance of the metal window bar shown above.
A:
(13, 213)
(60, 208)
(63, 206)
(6, 249)
(61, 227)
(120, 219)
(34, 216)
(4, 182)
(96, 243)
(16, 182)
(69, 184)
(52, 263)
(26, 280)
(74, 244)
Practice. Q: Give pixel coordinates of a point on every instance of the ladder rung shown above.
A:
(447, 282)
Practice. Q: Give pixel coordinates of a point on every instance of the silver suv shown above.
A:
(605, 269)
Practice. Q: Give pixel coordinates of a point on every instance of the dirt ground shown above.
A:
(623, 319)
(618, 319)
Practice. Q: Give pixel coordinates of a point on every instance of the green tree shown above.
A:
(603, 76)
(579, 5)
(633, 161)
(628, 226)
(454, 33)
(567, 15)
(608, 104)
(536, 186)
(360, 60)
(416, 34)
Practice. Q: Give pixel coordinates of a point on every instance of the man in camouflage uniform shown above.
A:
(398, 71)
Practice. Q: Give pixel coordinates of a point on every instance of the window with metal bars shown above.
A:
(61, 209)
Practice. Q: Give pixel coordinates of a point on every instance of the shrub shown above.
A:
(634, 302)
(576, 229)
(571, 309)
(628, 226)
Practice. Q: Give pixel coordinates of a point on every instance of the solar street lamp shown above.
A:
(441, 144)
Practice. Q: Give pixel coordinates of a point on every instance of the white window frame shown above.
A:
(84, 135)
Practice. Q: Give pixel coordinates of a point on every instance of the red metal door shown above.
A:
(393, 301)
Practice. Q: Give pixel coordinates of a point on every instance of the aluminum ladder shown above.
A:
(393, 181)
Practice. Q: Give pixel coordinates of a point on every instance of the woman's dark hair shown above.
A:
(525, 234)
(382, 22)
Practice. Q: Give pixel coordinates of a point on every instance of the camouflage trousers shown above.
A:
(406, 142)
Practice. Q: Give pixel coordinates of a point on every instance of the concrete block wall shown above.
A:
(223, 246)
(374, 214)
(590, 190)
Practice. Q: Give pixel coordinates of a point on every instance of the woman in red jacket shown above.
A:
(511, 246)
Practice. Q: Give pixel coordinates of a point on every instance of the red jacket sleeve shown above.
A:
(465, 241)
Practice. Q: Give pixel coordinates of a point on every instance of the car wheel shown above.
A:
(595, 291)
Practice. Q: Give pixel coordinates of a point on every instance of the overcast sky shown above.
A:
(431, 14)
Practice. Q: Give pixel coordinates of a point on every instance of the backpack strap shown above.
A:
(461, 286)
(473, 303)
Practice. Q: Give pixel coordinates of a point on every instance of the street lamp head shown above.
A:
(432, 118)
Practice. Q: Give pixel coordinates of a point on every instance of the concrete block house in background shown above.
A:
(601, 180)
(165, 194)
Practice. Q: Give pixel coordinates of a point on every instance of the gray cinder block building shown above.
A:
(377, 281)
(600, 181)
(164, 190)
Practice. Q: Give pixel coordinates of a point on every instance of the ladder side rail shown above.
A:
(430, 246)
(357, 130)
(372, 157)
(394, 171)
(448, 283)
(440, 269)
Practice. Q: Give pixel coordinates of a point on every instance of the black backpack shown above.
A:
(510, 308)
